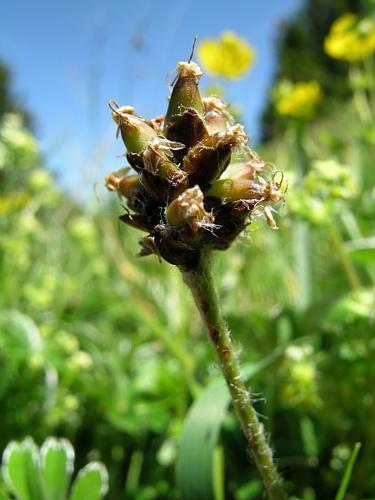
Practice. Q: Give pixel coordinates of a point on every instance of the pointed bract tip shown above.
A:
(189, 70)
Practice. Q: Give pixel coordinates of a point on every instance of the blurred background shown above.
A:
(104, 348)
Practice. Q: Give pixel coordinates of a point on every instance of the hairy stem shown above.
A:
(201, 285)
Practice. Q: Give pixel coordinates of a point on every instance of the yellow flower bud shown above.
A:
(298, 100)
(350, 38)
(229, 56)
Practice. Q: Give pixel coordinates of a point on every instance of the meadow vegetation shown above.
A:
(106, 350)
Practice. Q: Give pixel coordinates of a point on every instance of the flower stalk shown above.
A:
(201, 284)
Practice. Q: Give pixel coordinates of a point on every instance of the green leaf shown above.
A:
(91, 482)
(348, 472)
(308, 435)
(198, 441)
(197, 467)
(21, 470)
(57, 457)
(19, 334)
(353, 306)
(218, 473)
(3, 494)
(251, 490)
(362, 250)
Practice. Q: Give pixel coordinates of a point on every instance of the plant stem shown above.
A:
(201, 285)
(361, 102)
(302, 245)
(350, 272)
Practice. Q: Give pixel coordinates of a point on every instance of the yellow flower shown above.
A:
(297, 99)
(229, 56)
(350, 38)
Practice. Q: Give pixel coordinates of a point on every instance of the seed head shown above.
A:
(186, 194)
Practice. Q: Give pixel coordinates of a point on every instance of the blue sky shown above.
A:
(69, 58)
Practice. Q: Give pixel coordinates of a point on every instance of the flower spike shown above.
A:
(187, 195)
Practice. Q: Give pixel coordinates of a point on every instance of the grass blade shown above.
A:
(198, 465)
(348, 472)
